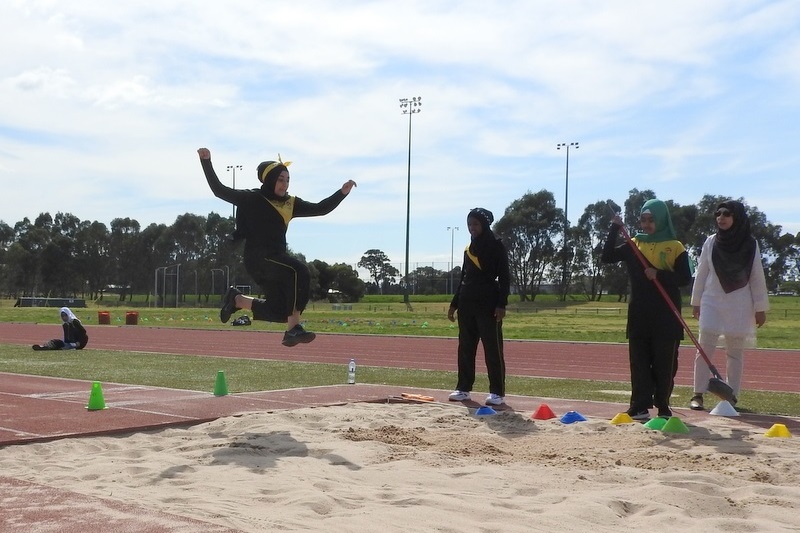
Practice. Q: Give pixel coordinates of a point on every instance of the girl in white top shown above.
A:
(729, 296)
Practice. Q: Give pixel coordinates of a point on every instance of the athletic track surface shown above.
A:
(771, 370)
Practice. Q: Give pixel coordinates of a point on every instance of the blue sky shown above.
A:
(103, 106)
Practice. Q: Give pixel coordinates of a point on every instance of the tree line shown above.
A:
(64, 256)
(183, 263)
(543, 257)
(542, 252)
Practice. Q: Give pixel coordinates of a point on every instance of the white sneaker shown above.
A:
(458, 396)
(494, 399)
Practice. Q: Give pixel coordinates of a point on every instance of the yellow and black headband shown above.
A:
(271, 166)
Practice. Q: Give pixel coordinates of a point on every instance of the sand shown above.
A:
(434, 467)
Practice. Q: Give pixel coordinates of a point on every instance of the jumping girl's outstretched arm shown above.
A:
(220, 191)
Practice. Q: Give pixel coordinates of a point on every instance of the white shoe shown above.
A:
(458, 396)
(494, 399)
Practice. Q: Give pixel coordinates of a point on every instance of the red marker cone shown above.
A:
(543, 413)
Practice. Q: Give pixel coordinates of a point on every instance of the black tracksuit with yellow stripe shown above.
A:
(654, 333)
(481, 290)
(285, 280)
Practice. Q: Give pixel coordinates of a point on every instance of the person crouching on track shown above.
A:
(75, 336)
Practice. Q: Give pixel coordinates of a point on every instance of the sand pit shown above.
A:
(434, 467)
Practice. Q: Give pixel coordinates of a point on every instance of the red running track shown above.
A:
(772, 370)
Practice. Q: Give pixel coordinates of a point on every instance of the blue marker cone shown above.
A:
(572, 416)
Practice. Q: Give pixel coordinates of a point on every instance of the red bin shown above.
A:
(132, 318)
(103, 317)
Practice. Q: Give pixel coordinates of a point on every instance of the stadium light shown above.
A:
(452, 230)
(565, 273)
(409, 107)
(232, 168)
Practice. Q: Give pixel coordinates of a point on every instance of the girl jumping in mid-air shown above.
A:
(262, 219)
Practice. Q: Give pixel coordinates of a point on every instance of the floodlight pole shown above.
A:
(409, 107)
(232, 168)
(565, 272)
(452, 229)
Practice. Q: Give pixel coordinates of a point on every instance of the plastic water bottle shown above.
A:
(351, 372)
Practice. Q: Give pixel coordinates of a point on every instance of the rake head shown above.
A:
(719, 388)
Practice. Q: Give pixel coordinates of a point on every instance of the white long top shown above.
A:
(733, 313)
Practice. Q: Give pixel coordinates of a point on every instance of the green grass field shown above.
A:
(551, 320)
(546, 319)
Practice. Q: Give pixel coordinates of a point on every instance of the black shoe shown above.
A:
(49, 345)
(296, 335)
(696, 403)
(664, 412)
(636, 414)
(229, 304)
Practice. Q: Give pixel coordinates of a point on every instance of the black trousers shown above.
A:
(286, 283)
(476, 322)
(652, 362)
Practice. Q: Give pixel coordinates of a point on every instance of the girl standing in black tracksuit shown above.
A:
(262, 218)
(654, 332)
(480, 300)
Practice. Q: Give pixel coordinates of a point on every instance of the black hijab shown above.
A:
(734, 249)
(271, 178)
(268, 180)
(484, 244)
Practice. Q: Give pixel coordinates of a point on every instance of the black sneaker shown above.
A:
(53, 344)
(49, 345)
(696, 403)
(664, 412)
(229, 304)
(296, 335)
(635, 414)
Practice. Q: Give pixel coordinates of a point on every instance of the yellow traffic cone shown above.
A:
(778, 430)
(622, 418)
